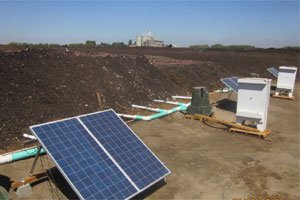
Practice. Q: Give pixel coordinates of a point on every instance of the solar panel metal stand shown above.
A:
(35, 160)
(232, 127)
(230, 91)
(31, 178)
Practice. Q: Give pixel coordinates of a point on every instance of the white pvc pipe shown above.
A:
(19, 155)
(181, 97)
(137, 117)
(29, 136)
(125, 115)
(148, 108)
(225, 90)
(168, 102)
(5, 159)
(157, 115)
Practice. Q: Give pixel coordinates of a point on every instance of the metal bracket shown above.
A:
(31, 177)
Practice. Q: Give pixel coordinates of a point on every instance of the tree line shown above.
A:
(88, 43)
(205, 47)
(201, 47)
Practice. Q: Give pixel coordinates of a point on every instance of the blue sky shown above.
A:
(259, 23)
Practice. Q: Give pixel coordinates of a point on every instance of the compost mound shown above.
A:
(44, 85)
(41, 85)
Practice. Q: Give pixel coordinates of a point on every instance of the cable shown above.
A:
(205, 122)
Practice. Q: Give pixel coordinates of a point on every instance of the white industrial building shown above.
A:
(148, 40)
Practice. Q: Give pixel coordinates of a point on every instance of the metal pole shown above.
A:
(35, 160)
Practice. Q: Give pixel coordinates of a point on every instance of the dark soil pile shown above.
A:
(40, 85)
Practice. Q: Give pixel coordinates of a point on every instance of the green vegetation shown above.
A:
(87, 44)
(105, 44)
(118, 44)
(292, 48)
(76, 45)
(218, 47)
(90, 43)
(202, 47)
(31, 45)
(241, 47)
(205, 47)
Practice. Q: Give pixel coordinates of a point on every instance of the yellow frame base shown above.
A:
(283, 97)
(232, 127)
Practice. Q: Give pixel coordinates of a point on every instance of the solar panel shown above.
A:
(232, 83)
(141, 165)
(273, 71)
(100, 157)
(84, 164)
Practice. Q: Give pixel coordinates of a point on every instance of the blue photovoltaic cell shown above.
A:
(126, 148)
(273, 71)
(85, 165)
(232, 83)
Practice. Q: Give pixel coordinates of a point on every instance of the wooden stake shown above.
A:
(100, 100)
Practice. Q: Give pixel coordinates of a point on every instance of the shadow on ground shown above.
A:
(61, 183)
(227, 104)
(150, 190)
(65, 188)
(5, 182)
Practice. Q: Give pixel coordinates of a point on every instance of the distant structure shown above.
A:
(148, 40)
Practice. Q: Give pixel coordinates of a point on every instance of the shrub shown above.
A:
(218, 47)
(240, 47)
(118, 44)
(202, 47)
(291, 48)
(90, 43)
(104, 44)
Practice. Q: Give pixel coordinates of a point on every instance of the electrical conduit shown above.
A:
(160, 114)
(19, 155)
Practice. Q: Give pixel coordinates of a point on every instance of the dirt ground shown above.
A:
(208, 162)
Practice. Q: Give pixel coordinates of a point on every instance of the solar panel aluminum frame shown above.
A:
(101, 146)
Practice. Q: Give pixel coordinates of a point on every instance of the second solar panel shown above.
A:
(139, 163)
